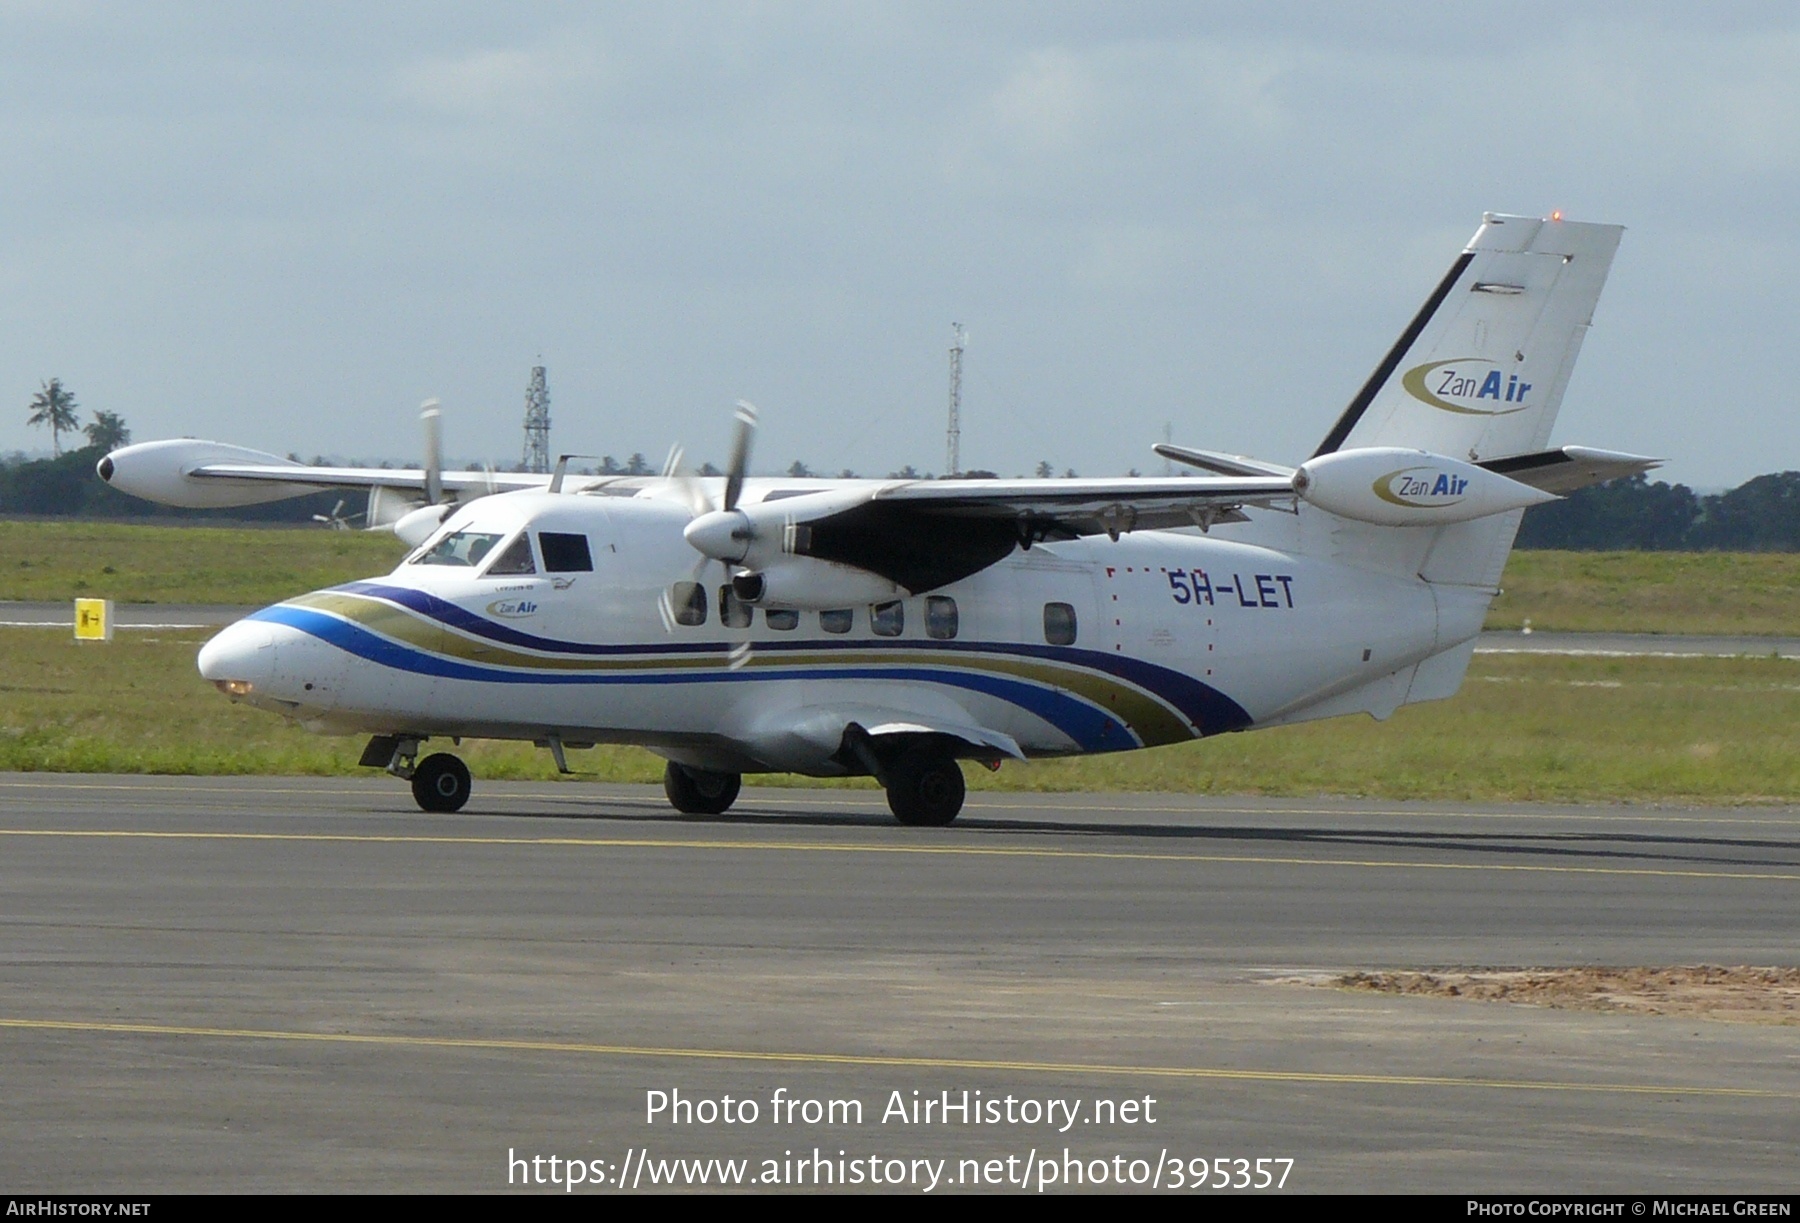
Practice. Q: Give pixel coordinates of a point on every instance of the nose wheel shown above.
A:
(441, 783)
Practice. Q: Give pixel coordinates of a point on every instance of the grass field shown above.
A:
(1652, 592)
(1717, 729)
(140, 564)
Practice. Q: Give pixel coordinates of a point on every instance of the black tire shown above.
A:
(925, 788)
(441, 783)
(699, 792)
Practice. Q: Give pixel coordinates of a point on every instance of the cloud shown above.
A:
(498, 84)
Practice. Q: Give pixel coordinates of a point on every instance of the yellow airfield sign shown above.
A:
(93, 620)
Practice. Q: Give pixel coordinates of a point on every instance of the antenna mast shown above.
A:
(959, 336)
(537, 423)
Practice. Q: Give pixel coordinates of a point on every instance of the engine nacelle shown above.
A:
(813, 585)
(759, 536)
(1409, 488)
(159, 471)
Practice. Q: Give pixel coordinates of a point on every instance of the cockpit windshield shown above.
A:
(466, 548)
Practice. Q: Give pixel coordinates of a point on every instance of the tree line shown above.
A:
(1760, 515)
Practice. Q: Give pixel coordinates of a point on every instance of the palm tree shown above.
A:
(108, 431)
(55, 407)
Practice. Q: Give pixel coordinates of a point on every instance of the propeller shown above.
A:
(724, 534)
(418, 525)
(434, 451)
(718, 532)
(336, 520)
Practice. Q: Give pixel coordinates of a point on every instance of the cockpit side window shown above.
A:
(515, 560)
(565, 553)
(465, 548)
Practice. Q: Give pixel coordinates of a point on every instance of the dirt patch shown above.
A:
(1741, 994)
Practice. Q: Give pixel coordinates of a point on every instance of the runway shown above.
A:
(273, 984)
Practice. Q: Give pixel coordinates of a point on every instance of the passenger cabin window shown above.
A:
(462, 548)
(1059, 623)
(888, 619)
(515, 560)
(782, 618)
(732, 610)
(569, 554)
(687, 601)
(940, 617)
(838, 620)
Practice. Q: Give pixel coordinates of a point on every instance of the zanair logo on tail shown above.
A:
(1421, 488)
(1467, 386)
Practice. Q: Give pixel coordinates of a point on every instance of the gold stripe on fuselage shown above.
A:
(1148, 717)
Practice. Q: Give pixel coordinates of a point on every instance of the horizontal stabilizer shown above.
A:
(1572, 467)
(1221, 464)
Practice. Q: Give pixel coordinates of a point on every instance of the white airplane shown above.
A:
(893, 628)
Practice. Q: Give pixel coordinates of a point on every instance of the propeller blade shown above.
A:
(434, 461)
(740, 454)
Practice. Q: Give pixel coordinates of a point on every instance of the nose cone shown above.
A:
(241, 659)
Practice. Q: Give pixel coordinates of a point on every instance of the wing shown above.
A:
(412, 479)
(199, 474)
(925, 534)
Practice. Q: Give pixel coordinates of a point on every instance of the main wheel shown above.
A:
(925, 788)
(698, 792)
(441, 783)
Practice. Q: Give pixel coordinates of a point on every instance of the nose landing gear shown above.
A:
(441, 783)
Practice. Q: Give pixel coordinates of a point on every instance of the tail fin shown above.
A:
(1480, 372)
(1478, 375)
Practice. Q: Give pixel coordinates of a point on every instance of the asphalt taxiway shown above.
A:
(269, 984)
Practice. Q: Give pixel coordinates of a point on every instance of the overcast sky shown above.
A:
(284, 226)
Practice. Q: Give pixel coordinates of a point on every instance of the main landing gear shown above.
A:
(924, 788)
(699, 792)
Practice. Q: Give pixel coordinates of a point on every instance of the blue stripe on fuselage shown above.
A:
(1092, 729)
(1203, 705)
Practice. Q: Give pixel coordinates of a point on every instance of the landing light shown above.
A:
(233, 687)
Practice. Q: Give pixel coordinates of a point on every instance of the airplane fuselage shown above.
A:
(1088, 645)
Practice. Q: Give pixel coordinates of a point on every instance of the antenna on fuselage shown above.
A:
(562, 468)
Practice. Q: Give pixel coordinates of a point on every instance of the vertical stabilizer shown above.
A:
(1480, 372)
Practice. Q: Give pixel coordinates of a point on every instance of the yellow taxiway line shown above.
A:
(853, 847)
(652, 1052)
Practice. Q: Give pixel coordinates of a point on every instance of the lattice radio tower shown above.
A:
(959, 337)
(537, 422)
